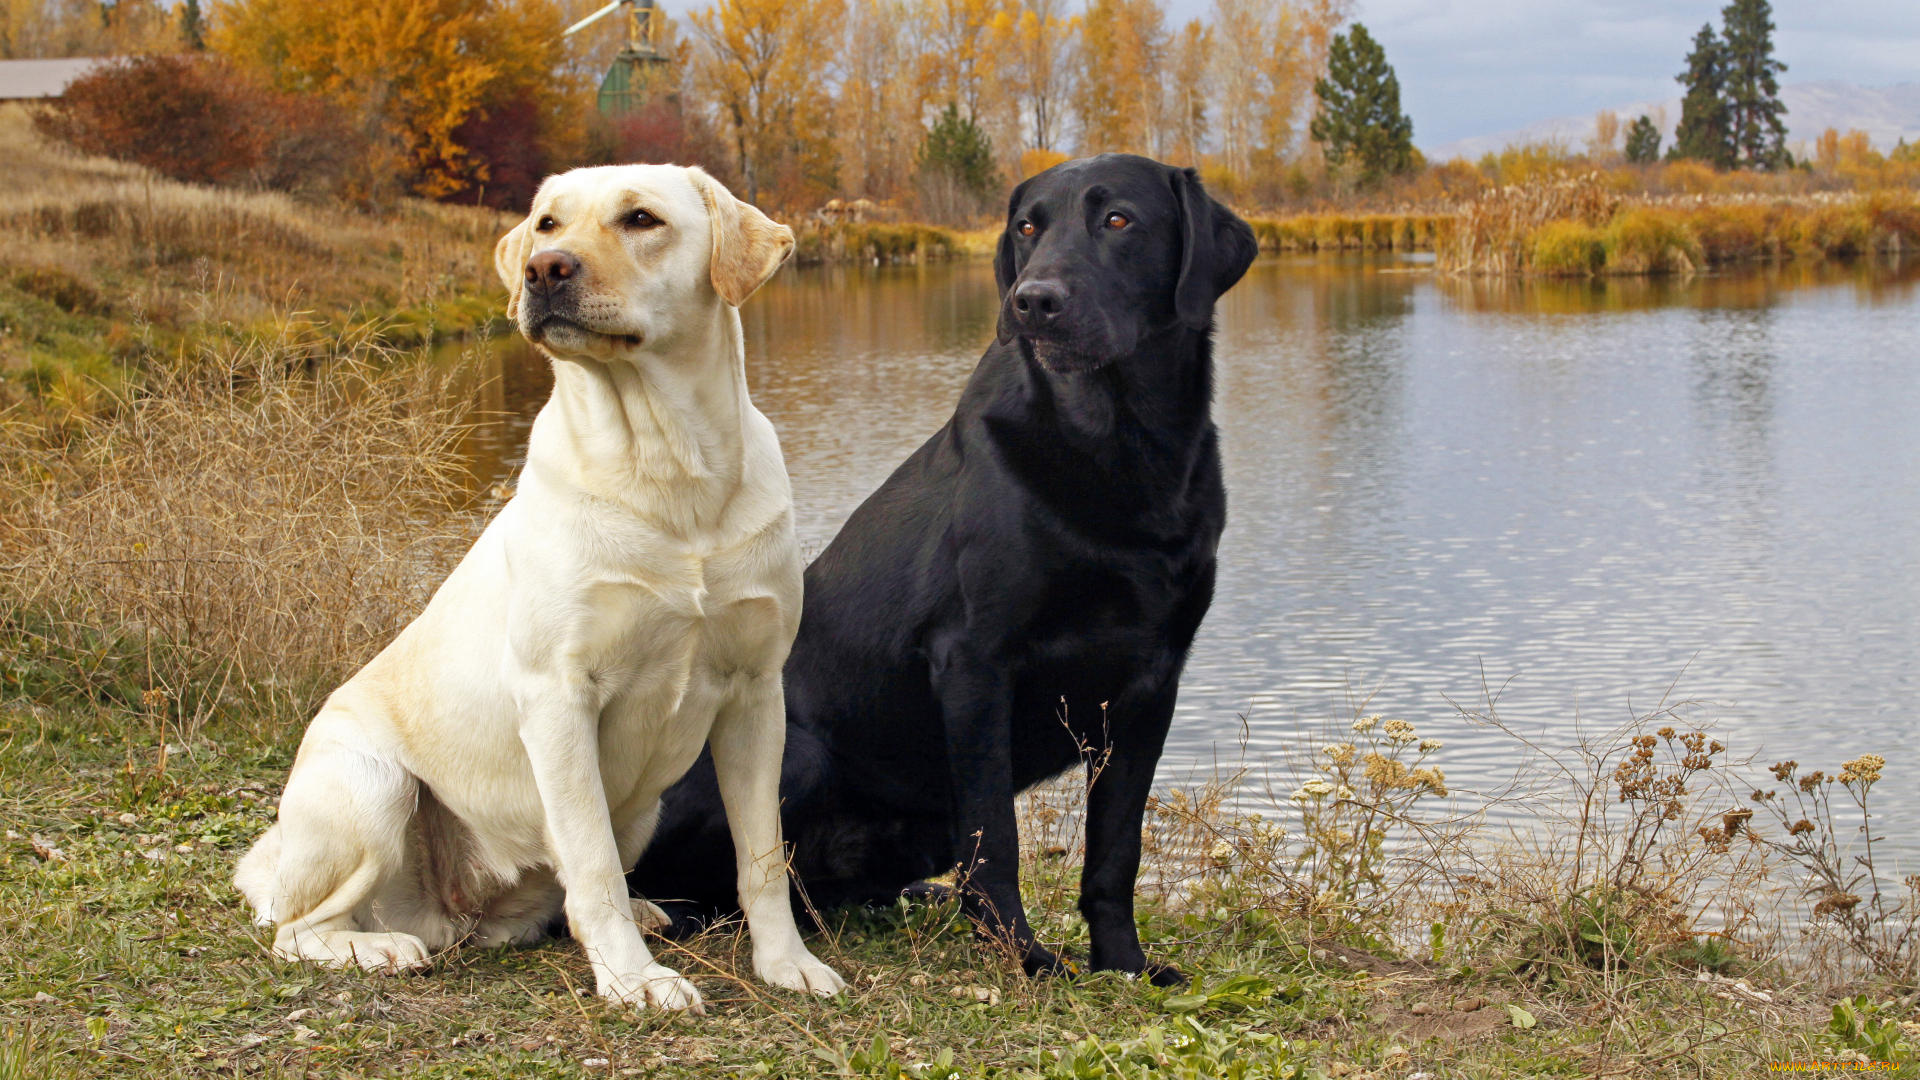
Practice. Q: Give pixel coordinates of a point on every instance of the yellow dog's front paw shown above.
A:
(655, 986)
(799, 971)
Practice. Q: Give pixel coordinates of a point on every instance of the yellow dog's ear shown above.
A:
(748, 246)
(510, 261)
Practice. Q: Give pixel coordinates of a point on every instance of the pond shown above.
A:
(1581, 499)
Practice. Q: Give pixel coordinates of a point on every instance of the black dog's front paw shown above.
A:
(1138, 966)
(1039, 962)
(1164, 975)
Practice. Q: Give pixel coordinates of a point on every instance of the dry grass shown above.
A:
(235, 537)
(1333, 231)
(1547, 228)
(109, 271)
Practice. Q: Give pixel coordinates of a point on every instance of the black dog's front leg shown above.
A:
(1122, 777)
(976, 706)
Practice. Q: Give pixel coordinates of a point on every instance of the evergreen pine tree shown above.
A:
(1752, 75)
(1643, 142)
(956, 148)
(1705, 132)
(193, 26)
(1360, 118)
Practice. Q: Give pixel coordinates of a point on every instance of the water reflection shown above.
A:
(1591, 496)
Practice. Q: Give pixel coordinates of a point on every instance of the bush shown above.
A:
(1567, 249)
(1649, 241)
(197, 119)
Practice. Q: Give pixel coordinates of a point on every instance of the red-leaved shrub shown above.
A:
(195, 118)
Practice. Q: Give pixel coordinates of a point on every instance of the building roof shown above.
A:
(25, 79)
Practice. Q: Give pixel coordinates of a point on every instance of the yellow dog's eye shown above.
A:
(1025, 228)
(640, 219)
(545, 224)
(1118, 220)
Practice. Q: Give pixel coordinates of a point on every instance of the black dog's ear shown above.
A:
(1216, 249)
(1004, 269)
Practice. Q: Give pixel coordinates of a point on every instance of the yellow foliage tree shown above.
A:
(1123, 47)
(765, 65)
(1035, 38)
(1189, 92)
(411, 71)
(878, 112)
(959, 61)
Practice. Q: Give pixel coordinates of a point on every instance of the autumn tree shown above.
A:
(1643, 142)
(1258, 78)
(1189, 90)
(1035, 39)
(1705, 131)
(878, 113)
(1752, 85)
(1123, 58)
(409, 73)
(958, 60)
(1360, 122)
(765, 64)
(1606, 135)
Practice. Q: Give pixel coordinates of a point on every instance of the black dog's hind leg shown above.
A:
(1122, 775)
(976, 707)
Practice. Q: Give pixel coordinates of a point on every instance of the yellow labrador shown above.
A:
(502, 760)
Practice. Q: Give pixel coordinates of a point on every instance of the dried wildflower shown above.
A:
(1366, 724)
(1433, 780)
(1733, 820)
(1428, 746)
(1864, 769)
(1666, 733)
(1801, 826)
(1312, 789)
(1811, 781)
(1783, 770)
(1400, 732)
(1835, 902)
(1343, 792)
(1384, 772)
(1339, 753)
(1760, 796)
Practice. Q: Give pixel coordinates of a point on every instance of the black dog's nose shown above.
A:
(1038, 303)
(551, 269)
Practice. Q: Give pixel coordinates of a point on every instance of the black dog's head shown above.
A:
(1101, 252)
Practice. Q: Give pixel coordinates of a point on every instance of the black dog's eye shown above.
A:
(545, 224)
(640, 219)
(1118, 220)
(1025, 228)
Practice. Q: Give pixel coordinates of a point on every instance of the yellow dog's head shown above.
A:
(621, 258)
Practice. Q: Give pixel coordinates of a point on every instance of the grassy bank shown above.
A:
(876, 242)
(1579, 227)
(108, 270)
(182, 576)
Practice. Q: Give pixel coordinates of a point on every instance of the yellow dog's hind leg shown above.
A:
(342, 834)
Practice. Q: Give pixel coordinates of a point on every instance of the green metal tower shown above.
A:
(640, 71)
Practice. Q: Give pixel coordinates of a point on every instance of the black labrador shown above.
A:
(1020, 595)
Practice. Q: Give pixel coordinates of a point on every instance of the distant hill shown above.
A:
(1886, 113)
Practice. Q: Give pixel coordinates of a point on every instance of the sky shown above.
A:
(1479, 67)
